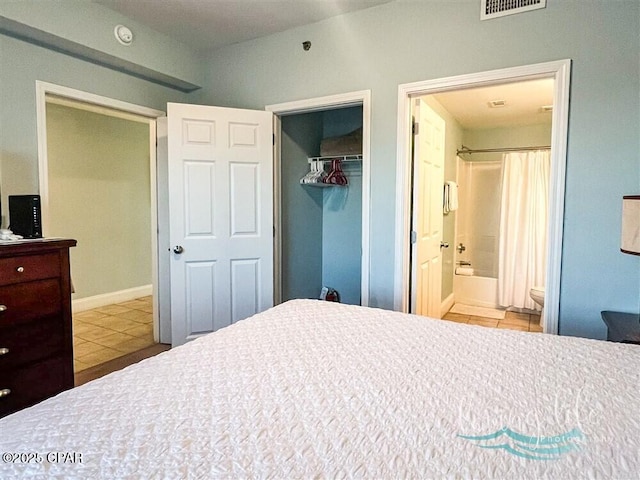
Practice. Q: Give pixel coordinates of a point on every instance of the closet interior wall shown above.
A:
(301, 209)
(321, 227)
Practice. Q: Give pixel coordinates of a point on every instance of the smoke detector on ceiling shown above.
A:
(123, 34)
(500, 8)
(497, 103)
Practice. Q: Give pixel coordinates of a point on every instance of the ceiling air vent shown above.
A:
(500, 8)
(497, 103)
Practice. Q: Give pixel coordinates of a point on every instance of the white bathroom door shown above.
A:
(427, 216)
(221, 216)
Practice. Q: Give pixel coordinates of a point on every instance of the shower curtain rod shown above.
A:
(497, 150)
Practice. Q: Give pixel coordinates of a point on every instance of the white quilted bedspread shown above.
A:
(313, 389)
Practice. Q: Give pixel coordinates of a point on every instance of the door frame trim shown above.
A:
(560, 71)
(358, 98)
(44, 88)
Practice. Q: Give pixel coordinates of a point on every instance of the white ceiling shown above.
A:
(523, 100)
(210, 24)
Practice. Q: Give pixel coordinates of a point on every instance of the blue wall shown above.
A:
(88, 28)
(342, 216)
(21, 64)
(401, 42)
(301, 208)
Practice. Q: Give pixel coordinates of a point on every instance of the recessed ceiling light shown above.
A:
(497, 103)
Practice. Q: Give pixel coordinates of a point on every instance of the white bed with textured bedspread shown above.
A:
(313, 389)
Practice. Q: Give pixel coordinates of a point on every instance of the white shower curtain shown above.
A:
(523, 227)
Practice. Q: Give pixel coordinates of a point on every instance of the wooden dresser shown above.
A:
(36, 343)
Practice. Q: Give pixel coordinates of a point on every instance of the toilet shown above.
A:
(537, 295)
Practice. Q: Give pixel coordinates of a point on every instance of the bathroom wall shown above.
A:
(516, 136)
(480, 186)
(479, 215)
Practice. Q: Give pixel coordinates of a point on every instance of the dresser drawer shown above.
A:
(29, 385)
(24, 268)
(24, 302)
(31, 342)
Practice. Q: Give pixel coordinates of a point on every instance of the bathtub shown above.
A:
(475, 290)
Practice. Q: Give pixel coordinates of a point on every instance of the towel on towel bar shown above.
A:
(450, 197)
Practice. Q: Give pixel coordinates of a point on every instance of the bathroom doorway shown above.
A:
(502, 177)
(556, 74)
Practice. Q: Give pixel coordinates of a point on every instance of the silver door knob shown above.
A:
(3, 308)
(4, 351)
(444, 244)
(5, 392)
(178, 249)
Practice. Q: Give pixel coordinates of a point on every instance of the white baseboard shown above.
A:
(87, 303)
(446, 305)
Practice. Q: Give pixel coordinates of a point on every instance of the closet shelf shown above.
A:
(344, 158)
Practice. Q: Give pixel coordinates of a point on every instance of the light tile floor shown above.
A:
(108, 332)
(512, 321)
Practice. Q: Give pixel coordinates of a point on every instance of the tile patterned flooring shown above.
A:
(109, 332)
(512, 321)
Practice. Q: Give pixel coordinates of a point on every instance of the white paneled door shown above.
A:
(429, 157)
(221, 216)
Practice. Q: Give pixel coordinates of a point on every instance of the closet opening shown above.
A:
(321, 222)
(321, 200)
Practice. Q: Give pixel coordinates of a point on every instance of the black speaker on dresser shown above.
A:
(24, 215)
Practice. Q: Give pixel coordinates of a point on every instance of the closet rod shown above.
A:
(497, 150)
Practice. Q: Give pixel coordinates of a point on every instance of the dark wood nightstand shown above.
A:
(622, 327)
